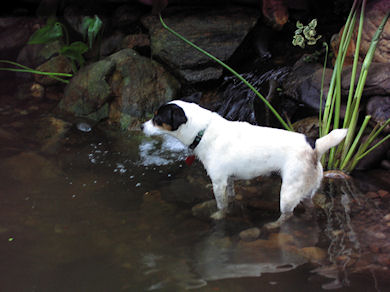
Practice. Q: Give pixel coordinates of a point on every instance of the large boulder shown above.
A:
(125, 87)
(139, 85)
(88, 91)
(219, 32)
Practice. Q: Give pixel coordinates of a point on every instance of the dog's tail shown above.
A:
(323, 144)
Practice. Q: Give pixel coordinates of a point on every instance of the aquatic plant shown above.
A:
(306, 34)
(346, 156)
(55, 30)
(235, 73)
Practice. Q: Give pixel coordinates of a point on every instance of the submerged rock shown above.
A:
(250, 234)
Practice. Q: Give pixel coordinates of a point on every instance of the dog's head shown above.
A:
(168, 118)
(180, 119)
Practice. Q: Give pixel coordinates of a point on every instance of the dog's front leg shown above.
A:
(221, 196)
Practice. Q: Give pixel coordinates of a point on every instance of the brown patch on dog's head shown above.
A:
(169, 117)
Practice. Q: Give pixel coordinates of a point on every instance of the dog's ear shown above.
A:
(170, 117)
(178, 117)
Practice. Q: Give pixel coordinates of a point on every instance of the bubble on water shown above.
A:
(84, 127)
(170, 150)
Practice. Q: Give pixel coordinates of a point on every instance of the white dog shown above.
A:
(238, 150)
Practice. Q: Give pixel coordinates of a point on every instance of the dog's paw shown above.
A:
(218, 215)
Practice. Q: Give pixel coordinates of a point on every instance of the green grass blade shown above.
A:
(351, 150)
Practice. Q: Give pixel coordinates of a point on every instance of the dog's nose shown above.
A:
(142, 127)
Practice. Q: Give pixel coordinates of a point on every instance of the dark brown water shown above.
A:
(108, 211)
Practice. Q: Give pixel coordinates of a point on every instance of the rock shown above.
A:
(379, 109)
(134, 41)
(58, 64)
(275, 13)
(205, 209)
(140, 85)
(313, 253)
(377, 82)
(37, 90)
(88, 90)
(35, 55)
(375, 157)
(308, 126)
(126, 15)
(387, 217)
(219, 32)
(384, 259)
(379, 235)
(303, 83)
(14, 33)
(383, 193)
(111, 43)
(374, 13)
(250, 234)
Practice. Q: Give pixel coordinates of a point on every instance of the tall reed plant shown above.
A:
(346, 156)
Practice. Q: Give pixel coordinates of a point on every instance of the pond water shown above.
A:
(103, 210)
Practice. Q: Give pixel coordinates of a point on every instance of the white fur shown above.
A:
(238, 150)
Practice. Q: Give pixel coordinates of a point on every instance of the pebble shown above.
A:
(380, 235)
(387, 217)
(383, 193)
(250, 234)
(313, 253)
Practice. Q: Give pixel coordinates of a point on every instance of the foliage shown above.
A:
(346, 156)
(54, 30)
(271, 108)
(306, 34)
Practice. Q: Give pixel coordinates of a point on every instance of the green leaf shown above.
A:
(90, 27)
(50, 32)
(75, 51)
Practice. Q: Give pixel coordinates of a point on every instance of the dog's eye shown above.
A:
(157, 121)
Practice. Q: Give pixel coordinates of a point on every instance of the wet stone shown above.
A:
(387, 217)
(250, 234)
(205, 209)
(313, 253)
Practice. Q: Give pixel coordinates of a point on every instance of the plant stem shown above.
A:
(26, 69)
(285, 125)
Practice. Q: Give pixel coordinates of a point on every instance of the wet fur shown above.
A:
(238, 150)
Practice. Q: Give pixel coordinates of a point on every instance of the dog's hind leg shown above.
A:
(220, 188)
(291, 193)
